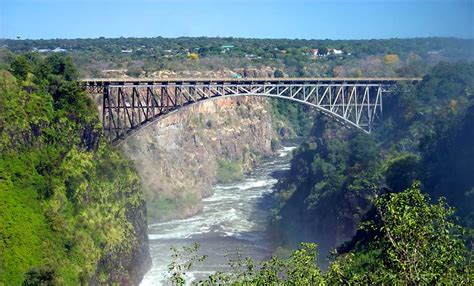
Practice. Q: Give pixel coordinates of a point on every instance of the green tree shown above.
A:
(278, 73)
(322, 51)
(62, 65)
(21, 67)
(363, 150)
(412, 242)
(298, 269)
(134, 71)
(402, 171)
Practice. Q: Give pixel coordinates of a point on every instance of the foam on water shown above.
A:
(286, 151)
(247, 184)
(235, 216)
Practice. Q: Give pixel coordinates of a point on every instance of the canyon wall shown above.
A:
(182, 155)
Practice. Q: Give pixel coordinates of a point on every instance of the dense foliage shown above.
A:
(199, 56)
(332, 180)
(297, 119)
(430, 135)
(426, 135)
(340, 182)
(67, 199)
(408, 241)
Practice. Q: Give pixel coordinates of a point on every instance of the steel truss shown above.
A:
(127, 108)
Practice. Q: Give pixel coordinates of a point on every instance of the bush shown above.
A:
(228, 171)
(39, 276)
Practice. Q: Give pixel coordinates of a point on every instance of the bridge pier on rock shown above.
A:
(128, 105)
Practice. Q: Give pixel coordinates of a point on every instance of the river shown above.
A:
(234, 218)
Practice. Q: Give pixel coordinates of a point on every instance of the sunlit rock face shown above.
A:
(177, 157)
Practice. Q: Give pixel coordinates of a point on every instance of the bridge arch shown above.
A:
(130, 133)
(128, 107)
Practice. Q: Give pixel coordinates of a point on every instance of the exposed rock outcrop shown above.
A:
(177, 157)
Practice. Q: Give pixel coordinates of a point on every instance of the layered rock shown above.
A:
(177, 157)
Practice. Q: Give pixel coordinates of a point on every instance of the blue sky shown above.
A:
(316, 19)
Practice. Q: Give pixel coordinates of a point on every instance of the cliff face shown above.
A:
(127, 267)
(328, 189)
(72, 210)
(180, 156)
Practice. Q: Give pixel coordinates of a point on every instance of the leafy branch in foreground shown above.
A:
(182, 261)
(299, 269)
(411, 242)
(407, 241)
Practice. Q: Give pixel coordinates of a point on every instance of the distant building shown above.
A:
(227, 47)
(41, 50)
(114, 71)
(59, 50)
(251, 56)
(56, 50)
(335, 51)
(236, 75)
(127, 51)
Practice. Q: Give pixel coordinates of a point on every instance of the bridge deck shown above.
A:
(382, 80)
(130, 104)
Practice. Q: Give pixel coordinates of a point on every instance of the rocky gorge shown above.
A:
(182, 155)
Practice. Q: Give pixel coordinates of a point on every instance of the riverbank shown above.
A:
(234, 217)
(181, 156)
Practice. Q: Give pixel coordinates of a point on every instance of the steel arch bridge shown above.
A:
(130, 104)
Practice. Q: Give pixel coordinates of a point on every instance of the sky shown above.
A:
(293, 19)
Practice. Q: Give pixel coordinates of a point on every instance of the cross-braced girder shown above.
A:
(129, 106)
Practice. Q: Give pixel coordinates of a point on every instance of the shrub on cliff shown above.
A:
(228, 172)
(297, 269)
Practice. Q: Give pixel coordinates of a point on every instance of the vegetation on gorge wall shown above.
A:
(72, 210)
(66, 208)
(407, 193)
(427, 135)
(228, 172)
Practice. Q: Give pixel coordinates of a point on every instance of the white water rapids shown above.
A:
(234, 217)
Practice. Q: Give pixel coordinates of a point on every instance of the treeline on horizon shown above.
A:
(145, 56)
(392, 45)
